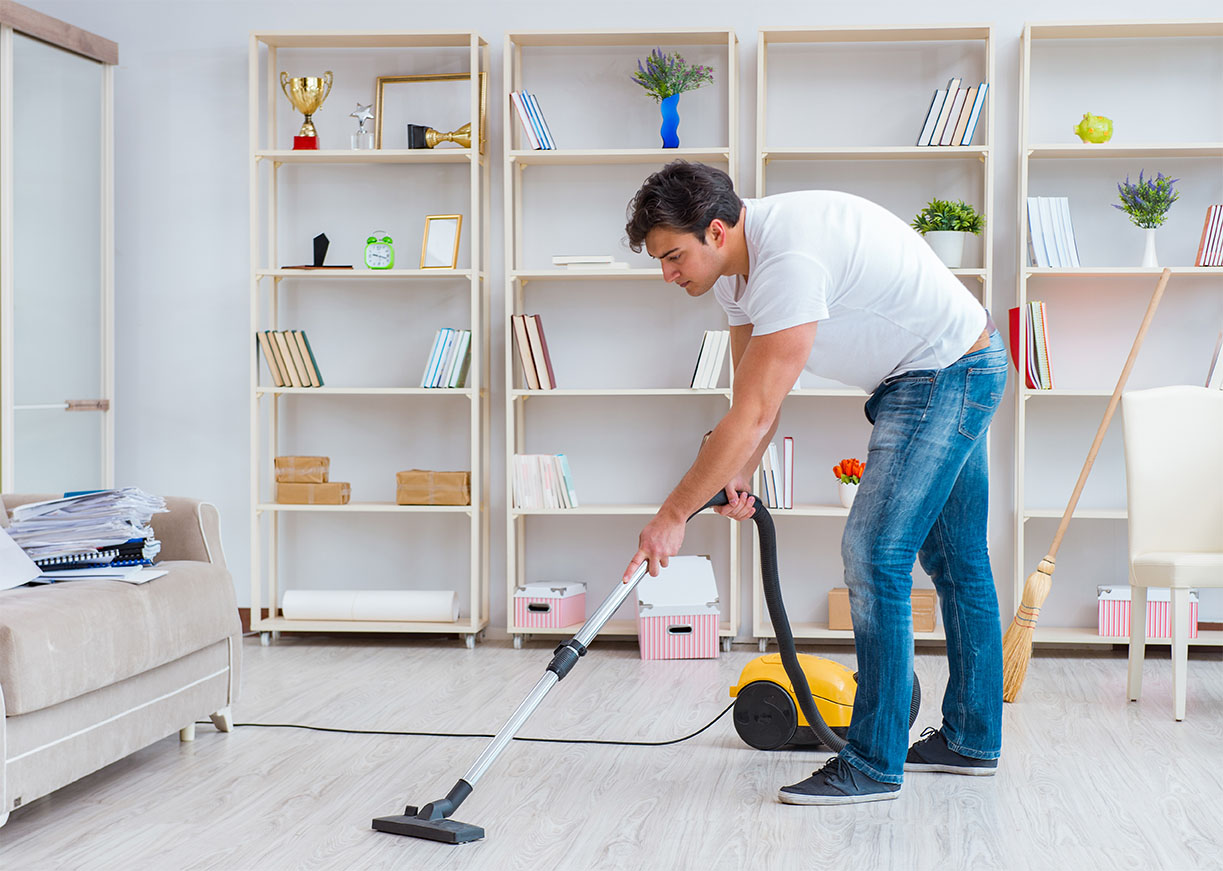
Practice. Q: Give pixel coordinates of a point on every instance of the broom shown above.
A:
(1017, 642)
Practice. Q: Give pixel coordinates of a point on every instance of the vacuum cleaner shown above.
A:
(765, 714)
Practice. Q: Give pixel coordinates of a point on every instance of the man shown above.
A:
(835, 285)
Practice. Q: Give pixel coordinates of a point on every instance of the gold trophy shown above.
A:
(307, 94)
(420, 136)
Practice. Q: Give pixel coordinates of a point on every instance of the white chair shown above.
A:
(1174, 493)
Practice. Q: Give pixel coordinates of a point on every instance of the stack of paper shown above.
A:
(87, 527)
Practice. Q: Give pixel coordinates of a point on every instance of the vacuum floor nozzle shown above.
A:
(446, 831)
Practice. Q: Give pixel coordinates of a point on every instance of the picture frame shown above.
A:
(439, 249)
(384, 81)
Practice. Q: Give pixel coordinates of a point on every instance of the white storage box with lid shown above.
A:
(1114, 618)
(550, 606)
(677, 612)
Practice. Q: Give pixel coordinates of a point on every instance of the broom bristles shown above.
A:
(1017, 642)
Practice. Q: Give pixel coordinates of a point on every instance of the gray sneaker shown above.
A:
(931, 753)
(838, 782)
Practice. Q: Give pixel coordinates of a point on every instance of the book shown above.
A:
(567, 476)
(270, 359)
(1053, 247)
(1214, 375)
(286, 359)
(701, 357)
(307, 358)
(775, 475)
(525, 118)
(721, 344)
(438, 339)
(543, 481)
(129, 574)
(936, 106)
(937, 136)
(539, 352)
(299, 363)
(1210, 251)
(953, 118)
(975, 113)
(1072, 246)
(787, 463)
(766, 478)
(529, 372)
(1018, 323)
(1040, 344)
(445, 359)
(970, 97)
(313, 359)
(536, 121)
(583, 259)
(459, 372)
(533, 105)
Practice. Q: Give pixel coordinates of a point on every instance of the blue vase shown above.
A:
(670, 121)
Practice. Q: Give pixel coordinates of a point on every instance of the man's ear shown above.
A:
(716, 233)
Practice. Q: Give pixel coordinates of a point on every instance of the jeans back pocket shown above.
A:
(983, 388)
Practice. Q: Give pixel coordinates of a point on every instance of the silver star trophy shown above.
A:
(362, 140)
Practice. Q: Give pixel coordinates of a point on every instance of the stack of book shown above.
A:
(1210, 249)
(533, 352)
(1051, 233)
(92, 528)
(449, 360)
(543, 481)
(290, 358)
(708, 369)
(532, 118)
(953, 114)
(588, 261)
(777, 474)
(1036, 345)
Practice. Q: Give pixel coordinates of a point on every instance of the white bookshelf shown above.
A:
(808, 72)
(289, 190)
(606, 129)
(1094, 311)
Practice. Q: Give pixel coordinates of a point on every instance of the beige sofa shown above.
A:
(91, 671)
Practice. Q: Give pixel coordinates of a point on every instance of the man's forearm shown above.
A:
(748, 470)
(726, 452)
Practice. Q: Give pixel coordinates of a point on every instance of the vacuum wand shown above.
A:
(433, 820)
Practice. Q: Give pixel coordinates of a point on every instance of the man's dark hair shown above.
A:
(682, 196)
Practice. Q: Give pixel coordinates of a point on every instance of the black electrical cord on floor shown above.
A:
(474, 735)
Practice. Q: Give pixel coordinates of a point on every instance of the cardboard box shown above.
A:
(924, 606)
(422, 487)
(1114, 612)
(331, 493)
(550, 606)
(677, 612)
(302, 470)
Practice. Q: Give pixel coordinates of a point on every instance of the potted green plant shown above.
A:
(944, 224)
(1147, 203)
(665, 77)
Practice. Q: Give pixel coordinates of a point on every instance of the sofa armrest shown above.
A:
(190, 531)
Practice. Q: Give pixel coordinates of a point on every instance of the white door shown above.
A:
(58, 417)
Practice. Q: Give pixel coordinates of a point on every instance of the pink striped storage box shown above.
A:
(550, 606)
(1114, 618)
(677, 612)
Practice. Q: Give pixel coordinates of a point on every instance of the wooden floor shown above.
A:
(1086, 780)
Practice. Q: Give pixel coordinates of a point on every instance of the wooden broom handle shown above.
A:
(1108, 414)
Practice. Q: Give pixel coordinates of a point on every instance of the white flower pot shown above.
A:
(848, 492)
(948, 245)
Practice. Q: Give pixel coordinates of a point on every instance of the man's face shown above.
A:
(684, 260)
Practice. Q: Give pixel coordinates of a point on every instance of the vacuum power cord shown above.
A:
(482, 735)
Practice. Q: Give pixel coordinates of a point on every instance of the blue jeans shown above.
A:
(925, 495)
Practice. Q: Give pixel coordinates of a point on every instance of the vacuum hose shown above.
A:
(785, 637)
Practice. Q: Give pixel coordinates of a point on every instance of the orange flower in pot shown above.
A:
(849, 474)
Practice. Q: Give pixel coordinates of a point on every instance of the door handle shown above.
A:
(88, 405)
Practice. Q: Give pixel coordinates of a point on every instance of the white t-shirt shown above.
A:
(885, 302)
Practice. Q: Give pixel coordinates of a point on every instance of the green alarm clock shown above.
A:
(379, 252)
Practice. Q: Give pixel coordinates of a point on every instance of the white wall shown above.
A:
(182, 212)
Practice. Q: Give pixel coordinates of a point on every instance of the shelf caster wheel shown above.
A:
(470, 641)
(518, 642)
(726, 643)
(265, 639)
(764, 645)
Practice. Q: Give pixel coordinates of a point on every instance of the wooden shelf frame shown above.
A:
(1030, 152)
(265, 544)
(767, 153)
(517, 162)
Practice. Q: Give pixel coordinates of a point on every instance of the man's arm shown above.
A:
(740, 336)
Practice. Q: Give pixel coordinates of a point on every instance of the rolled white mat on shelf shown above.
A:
(414, 606)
